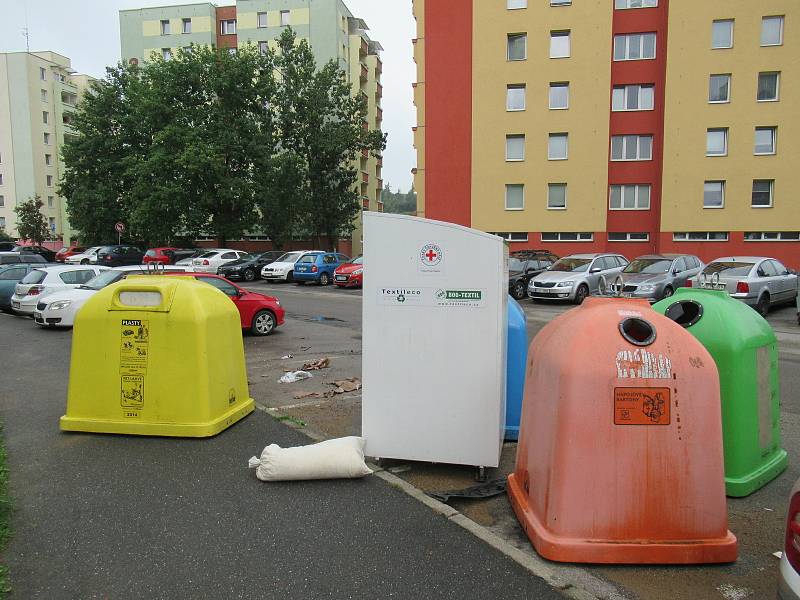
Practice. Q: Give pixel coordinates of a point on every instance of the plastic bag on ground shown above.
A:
(293, 376)
(341, 458)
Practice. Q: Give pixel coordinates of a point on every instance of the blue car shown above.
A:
(10, 276)
(317, 267)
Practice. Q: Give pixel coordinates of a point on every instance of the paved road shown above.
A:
(124, 517)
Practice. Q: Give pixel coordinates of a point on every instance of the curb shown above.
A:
(572, 581)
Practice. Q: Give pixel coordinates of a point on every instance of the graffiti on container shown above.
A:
(641, 364)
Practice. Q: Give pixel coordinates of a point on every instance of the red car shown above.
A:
(65, 252)
(350, 274)
(161, 256)
(259, 313)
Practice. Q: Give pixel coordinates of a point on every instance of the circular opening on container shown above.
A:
(638, 331)
(685, 313)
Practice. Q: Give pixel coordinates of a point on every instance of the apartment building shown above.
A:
(632, 126)
(333, 32)
(38, 94)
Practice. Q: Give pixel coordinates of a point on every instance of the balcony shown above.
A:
(365, 203)
(378, 66)
(379, 116)
(378, 92)
(364, 177)
(364, 73)
(363, 51)
(69, 99)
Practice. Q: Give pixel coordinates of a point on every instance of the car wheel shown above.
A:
(249, 275)
(581, 294)
(290, 277)
(85, 261)
(668, 291)
(324, 279)
(763, 305)
(263, 323)
(518, 290)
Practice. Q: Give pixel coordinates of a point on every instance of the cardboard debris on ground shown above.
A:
(316, 365)
(347, 385)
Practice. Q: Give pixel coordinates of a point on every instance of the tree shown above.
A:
(282, 187)
(4, 237)
(31, 223)
(398, 202)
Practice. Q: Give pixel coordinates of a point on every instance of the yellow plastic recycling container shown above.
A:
(156, 355)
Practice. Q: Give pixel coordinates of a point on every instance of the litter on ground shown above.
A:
(294, 376)
(316, 365)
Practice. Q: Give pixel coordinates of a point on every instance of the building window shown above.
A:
(560, 46)
(700, 236)
(515, 196)
(42, 73)
(765, 140)
(558, 146)
(228, 27)
(187, 25)
(166, 53)
(714, 194)
(45, 117)
(557, 196)
(1, 179)
(50, 202)
(165, 30)
(263, 47)
(635, 46)
(630, 197)
(262, 20)
(513, 236)
(560, 2)
(631, 147)
(722, 34)
(515, 97)
(2, 223)
(515, 148)
(43, 95)
(49, 181)
(717, 142)
(285, 18)
(51, 222)
(48, 159)
(633, 97)
(719, 88)
(2, 201)
(46, 138)
(622, 4)
(567, 236)
(772, 31)
(559, 96)
(517, 46)
(762, 193)
(628, 237)
(513, 4)
(768, 84)
(772, 236)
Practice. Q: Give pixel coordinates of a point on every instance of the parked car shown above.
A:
(758, 281)
(283, 268)
(524, 266)
(350, 274)
(260, 314)
(119, 255)
(574, 277)
(48, 254)
(210, 261)
(184, 258)
(318, 267)
(10, 276)
(656, 276)
(67, 251)
(7, 246)
(161, 256)
(249, 267)
(42, 281)
(87, 257)
(15, 258)
(59, 308)
(789, 569)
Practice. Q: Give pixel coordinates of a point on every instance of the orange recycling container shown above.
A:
(620, 444)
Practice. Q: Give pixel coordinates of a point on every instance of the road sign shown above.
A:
(120, 227)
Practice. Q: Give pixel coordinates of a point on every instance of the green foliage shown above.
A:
(31, 223)
(214, 142)
(398, 202)
(4, 237)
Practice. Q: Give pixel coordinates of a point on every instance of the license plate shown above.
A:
(713, 286)
(341, 278)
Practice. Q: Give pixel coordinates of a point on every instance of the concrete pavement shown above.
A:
(101, 516)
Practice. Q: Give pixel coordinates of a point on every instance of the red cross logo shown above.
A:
(431, 255)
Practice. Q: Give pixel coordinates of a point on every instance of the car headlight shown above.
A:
(647, 287)
(60, 305)
(565, 284)
(358, 272)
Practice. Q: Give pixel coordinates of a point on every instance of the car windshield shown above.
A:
(208, 254)
(289, 257)
(104, 279)
(650, 266)
(308, 258)
(572, 265)
(514, 264)
(150, 253)
(729, 269)
(358, 261)
(35, 276)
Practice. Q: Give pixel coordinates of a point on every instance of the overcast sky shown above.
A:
(87, 31)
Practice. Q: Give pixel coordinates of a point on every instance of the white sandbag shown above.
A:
(342, 458)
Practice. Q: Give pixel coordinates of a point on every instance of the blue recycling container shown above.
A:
(516, 362)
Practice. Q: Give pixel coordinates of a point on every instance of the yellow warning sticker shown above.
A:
(134, 347)
(132, 392)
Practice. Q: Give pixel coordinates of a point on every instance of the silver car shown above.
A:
(759, 281)
(575, 277)
(657, 276)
